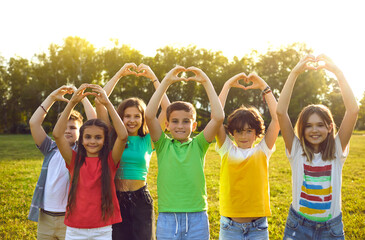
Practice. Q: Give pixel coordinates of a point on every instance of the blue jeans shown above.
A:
(183, 225)
(231, 230)
(299, 227)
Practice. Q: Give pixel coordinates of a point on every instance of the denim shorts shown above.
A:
(138, 218)
(183, 225)
(231, 230)
(299, 227)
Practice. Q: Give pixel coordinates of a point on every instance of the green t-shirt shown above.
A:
(181, 182)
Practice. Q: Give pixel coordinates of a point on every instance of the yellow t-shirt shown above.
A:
(244, 180)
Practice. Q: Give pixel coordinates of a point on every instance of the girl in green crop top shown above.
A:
(136, 204)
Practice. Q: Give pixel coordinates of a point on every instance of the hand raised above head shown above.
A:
(257, 82)
(328, 64)
(59, 93)
(128, 69)
(145, 71)
(200, 76)
(100, 94)
(234, 81)
(302, 65)
(172, 77)
(80, 93)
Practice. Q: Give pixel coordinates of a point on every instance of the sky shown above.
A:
(333, 27)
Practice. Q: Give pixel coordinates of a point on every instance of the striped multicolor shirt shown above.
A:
(317, 185)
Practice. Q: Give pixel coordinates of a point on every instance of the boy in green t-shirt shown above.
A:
(181, 188)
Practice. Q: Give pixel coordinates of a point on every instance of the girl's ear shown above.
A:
(330, 128)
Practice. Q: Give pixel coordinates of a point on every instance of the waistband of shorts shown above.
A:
(252, 224)
(137, 192)
(307, 222)
(53, 214)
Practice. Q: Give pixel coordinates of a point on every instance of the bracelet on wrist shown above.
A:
(154, 80)
(43, 109)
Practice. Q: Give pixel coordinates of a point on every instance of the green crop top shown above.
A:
(136, 158)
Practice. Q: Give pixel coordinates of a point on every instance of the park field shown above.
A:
(20, 164)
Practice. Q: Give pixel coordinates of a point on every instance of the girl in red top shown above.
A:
(92, 205)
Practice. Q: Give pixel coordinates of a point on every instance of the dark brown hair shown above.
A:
(141, 106)
(106, 192)
(327, 147)
(242, 116)
(178, 106)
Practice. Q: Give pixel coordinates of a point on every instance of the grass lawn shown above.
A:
(20, 164)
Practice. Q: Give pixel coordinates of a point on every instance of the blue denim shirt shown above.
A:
(48, 149)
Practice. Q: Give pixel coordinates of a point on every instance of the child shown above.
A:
(50, 195)
(135, 201)
(181, 188)
(244, 198)
(316, 155)
(92, 205)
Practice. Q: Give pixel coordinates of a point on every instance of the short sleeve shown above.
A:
(47, 145)
(161, 141)
(148, 142)
(263, 146)
(339, 154)
(295, 149)
(226, 146)
(202, 141)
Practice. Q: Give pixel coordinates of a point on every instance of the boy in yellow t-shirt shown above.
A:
(244, 188)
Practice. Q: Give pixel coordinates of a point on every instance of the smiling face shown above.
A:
(132, 120)
(180, 124)
(93, 140)
(316, 131)
(72, 131)
(245, 138)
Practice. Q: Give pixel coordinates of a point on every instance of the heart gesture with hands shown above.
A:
(234, 81)
(80, 93)
(59, 93)
(199, 77)
(172, 77)
(311, 62)
(145, 71)
(100, 94)
(257, 82)
(127, 69)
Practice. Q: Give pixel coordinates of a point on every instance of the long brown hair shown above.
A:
(327, 147)
(106, 192)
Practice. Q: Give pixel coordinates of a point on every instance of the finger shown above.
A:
(64, 99)
(309, 57)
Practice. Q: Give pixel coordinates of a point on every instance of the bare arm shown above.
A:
(154, 103)
(273, 129)
(61, 125)
(352, 109)
(89, 110)
(286, 127)
(122, 133)
(232, 82)
(40, 114)
(217, 114)
(124, 71)
(147, 72)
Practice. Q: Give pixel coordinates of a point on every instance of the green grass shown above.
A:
(20, 164)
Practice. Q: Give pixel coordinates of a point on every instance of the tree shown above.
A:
(361, 120)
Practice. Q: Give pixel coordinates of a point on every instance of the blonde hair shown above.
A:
(327, 147)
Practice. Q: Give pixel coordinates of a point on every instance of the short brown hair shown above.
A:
(243, 115)
(327, 147)
(178, 106)
(75, 115)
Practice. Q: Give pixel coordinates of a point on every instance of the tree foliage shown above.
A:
(24, 83)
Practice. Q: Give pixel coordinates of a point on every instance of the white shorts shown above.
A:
(103, 233)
